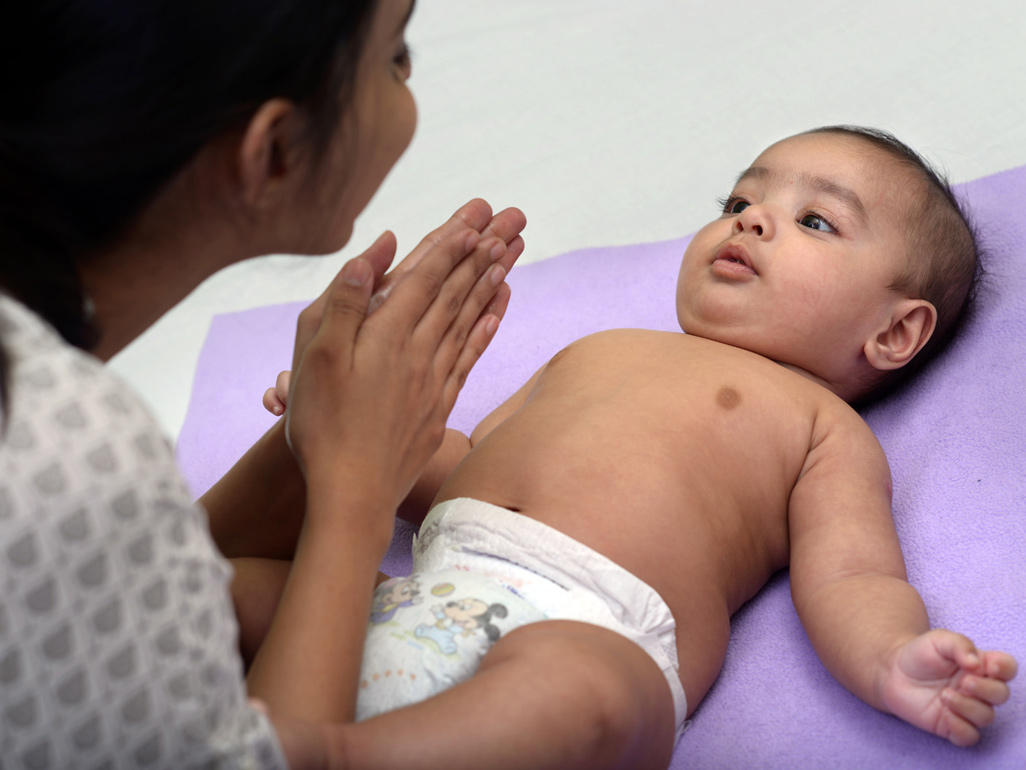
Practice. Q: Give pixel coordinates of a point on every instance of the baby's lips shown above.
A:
(732, 261)
(736, 253)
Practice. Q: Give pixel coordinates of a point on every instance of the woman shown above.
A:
(145, 145)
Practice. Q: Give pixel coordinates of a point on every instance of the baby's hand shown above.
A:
(940, 682)
(277, 398)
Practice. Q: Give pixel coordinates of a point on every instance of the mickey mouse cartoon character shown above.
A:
(461, 617)
(393, 595)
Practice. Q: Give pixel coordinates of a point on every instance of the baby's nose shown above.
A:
(754, 227)
(755, 220)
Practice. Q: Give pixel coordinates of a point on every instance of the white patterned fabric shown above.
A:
(117, 633)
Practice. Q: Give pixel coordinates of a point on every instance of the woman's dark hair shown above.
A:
(102, 102)
(944, 263)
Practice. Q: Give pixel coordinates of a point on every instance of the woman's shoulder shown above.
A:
(63, 403)
(79, 450)
(115, 595)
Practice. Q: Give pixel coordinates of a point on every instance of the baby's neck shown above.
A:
(841, 390)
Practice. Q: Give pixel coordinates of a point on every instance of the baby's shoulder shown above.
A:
(841, 438)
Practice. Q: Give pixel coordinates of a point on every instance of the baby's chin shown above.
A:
(716, 334)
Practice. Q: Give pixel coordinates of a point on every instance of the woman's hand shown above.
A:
(369, 396)
(367, 406)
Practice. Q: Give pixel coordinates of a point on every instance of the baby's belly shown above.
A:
(646, 523)
(655, 514)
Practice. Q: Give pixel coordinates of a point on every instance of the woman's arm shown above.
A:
(367, 409)
(454, 448)
(256, 509)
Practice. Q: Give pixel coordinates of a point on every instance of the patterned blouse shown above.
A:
(117, 634)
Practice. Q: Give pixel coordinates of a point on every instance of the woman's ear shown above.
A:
(910, 327)
(263, 161)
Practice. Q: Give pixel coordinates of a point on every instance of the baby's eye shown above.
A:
(816, 222)
(734, 206)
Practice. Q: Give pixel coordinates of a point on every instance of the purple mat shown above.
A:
(955, 439)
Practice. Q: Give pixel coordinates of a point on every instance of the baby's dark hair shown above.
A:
(944, 264)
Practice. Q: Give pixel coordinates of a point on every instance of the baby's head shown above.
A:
(839, 252)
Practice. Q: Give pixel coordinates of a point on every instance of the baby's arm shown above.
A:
(868, 625)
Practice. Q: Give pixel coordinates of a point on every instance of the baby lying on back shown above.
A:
(586, 547)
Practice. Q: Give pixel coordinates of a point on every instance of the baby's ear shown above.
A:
(911, 325)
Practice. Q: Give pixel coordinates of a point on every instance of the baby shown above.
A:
(643, 485)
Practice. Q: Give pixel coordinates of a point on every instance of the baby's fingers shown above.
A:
(966, 715)
(281, 386)
(956, 648)
(277, 398)
(1000, 665)
(993, 691)
(272, 403)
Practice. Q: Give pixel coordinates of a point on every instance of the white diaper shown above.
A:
(479, 571)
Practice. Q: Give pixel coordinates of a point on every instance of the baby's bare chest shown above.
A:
(658, 453)
(677, 398)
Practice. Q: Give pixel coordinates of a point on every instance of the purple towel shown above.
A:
(954, 437)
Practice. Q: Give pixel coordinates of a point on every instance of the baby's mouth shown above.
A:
(731, 255)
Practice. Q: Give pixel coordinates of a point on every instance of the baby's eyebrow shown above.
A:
(819, 183)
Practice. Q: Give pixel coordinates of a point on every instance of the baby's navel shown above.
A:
(728, 398)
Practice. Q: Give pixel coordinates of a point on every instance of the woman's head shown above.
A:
(106, 101)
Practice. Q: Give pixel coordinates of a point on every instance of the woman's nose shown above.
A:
(755, 219)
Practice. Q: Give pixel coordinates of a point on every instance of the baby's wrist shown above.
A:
(889, 674)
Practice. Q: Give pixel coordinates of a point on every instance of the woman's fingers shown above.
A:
(471, 293)
(471, 351)
(331, 347)
(446, 273)
(474, 215)
(501, 242)
(457, 329)
(497, 307)
(377, 388)
(506, 225)
(477, 215)
(378, 256)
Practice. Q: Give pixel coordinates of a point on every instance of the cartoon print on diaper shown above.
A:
(391, 596)
(425, 538)
(460, 618)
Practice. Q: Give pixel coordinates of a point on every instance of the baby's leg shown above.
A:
(552, 694)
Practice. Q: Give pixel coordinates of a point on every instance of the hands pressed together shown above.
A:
(367, 402)
(940, 682)
(373, 381)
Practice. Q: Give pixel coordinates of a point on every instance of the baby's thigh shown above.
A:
(565, 694)
(596, 678)
(429, 632)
